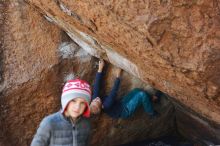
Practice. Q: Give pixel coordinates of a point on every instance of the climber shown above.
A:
(69, 126)
(125, 107)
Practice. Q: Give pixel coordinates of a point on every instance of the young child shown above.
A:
(71, 125)
(125, 107)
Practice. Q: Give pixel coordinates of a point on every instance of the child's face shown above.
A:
(76, 107)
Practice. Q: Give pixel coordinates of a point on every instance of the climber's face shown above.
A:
(96, 105)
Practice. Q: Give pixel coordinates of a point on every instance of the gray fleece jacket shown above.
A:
(57, 130)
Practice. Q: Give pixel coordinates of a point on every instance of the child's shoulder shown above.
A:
(51, 122)
(52, 118)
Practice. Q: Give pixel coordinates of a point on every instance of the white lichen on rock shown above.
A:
(84, 44)
(68, 50)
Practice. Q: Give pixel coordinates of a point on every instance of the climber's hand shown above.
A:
(118, 72)
(101, 65)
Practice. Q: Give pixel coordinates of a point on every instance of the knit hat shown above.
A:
(73, 89)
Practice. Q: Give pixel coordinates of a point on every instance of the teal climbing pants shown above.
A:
(135, 99)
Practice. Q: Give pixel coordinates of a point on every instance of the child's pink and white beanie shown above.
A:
(73, 89)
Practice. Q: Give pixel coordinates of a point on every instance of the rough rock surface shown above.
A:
(36, 59)
(195, 128)
(27, 57)
(174, 45)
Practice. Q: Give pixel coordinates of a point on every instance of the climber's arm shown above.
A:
(109, 100)
(98, 78)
